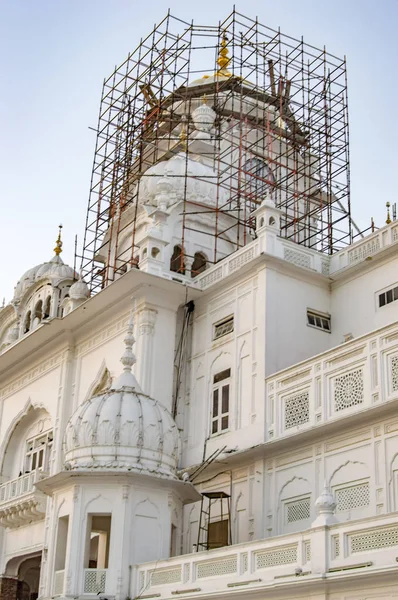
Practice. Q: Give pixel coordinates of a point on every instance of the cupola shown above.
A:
(123, 429)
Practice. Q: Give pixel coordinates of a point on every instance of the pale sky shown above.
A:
(54, 55)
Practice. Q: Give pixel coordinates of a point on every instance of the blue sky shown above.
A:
(54, 56)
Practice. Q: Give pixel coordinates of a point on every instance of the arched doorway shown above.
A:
(24, 573)
(29, 578)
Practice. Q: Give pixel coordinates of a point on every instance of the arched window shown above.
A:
(199, 264)
(177, 263)
(47, 308)
(259, 179)
(37, 313)
(27, 322)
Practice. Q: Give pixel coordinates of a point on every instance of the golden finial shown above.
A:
(204, 99)
(388, 220)
(183, 132)
(58, 243)
(223, 59)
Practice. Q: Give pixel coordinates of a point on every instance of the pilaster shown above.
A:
(146, 319)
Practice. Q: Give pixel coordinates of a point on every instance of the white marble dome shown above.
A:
(55, 269)
(79, 290)
(183, 178)
(123, 430)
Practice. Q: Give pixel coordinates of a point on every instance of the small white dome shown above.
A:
(79, 290)
(187, 178)
(123, 429)
(55, 269)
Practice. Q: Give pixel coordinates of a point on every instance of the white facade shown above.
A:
(284, 368)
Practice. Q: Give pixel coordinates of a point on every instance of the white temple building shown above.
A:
(219, 417)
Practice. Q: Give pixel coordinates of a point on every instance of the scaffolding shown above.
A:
(281, 129)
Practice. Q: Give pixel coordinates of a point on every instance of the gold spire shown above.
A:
(388, 220)
(223, 59)
(58, 243)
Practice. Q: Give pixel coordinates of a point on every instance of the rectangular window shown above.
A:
(318, 320)
(220, 402)
(38, 452)
(98, 541)
(388, 296)
(223, 327)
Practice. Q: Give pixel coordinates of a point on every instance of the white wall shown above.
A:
(288, 338)
(360, 465)
(355, 303)
(242, 352)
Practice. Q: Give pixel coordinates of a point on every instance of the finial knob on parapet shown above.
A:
(127, 379)
(325, 506)
(128, 358)
(388, 220)
(58, 243)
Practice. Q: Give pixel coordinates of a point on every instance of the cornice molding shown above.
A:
(101, 336)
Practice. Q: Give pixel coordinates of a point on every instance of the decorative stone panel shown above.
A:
(240, 260)
(348, 390)
(394, 373)
(364, 250)
(374, 539)
(94, 581)
(282, 555)
(307, 551)
(165, 576)
(216, 568)
(297, 409)
(297, 510)
(351, 497)
(335, 546)
(297, 258)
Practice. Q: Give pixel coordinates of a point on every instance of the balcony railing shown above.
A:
(365, 248)
(20, 502)
(316, 553)
(94, 581)
(20, 486)
(58, 588)
(355, 376)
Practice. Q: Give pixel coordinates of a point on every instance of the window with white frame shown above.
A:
(220, 402)
(318, 320)
(223, 327)
(38, 452)
(388, 296)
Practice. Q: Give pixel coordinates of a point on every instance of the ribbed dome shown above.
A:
(186, 178)
(55, 269)
(27, 279)
(123, 429)
(79, 290)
